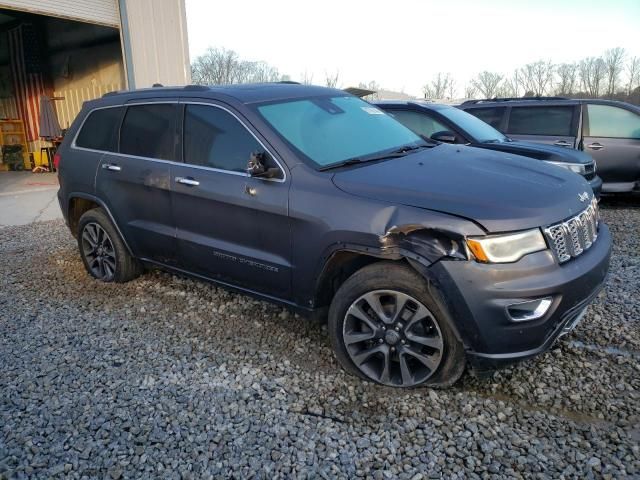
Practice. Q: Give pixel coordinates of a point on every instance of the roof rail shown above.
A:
(510, 99)
(288, 82)
(114, 92)
(196, 87)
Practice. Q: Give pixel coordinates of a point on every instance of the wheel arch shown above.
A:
(79, 203)
(344, 260)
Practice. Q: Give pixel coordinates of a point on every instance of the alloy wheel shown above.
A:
(393, 338)
(98, 251)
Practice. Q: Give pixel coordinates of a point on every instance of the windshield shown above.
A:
(330, 130)
(476, 128)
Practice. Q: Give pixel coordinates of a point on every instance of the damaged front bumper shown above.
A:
(479, 297)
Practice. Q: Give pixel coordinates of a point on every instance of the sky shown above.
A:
(402, 44)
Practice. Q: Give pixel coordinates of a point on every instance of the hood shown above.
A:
(539, 151)
(500, 192)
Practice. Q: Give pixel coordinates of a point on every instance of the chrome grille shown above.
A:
(572, 237)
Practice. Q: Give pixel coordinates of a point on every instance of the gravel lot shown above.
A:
(168, 377)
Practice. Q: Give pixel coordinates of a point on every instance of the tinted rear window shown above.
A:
(541, 121)
(149, 131)
(100, 130)
(492, 116)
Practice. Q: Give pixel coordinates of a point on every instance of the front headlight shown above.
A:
(506, 248)
(578, 168)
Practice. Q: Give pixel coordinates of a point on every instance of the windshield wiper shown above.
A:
(400, 152)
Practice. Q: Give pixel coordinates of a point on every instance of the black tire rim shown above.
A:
(98, 251)
(392, 338)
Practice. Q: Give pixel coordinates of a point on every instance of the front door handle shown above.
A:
(595, 146)
(562, 143)
(111, 166)
(187, 181)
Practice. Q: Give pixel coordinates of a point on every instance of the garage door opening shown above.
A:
(43, 57)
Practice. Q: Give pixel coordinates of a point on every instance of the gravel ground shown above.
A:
(173, 378)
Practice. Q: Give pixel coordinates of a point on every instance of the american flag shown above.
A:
(27, 71)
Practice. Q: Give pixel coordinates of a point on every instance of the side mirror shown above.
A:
(256, 166)
(444, 136)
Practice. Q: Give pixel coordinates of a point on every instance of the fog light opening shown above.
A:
(529, 310)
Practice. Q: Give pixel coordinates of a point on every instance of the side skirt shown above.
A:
(305, 311)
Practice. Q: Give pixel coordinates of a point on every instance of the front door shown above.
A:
(135, 182)
(230, 227)
(612, 138)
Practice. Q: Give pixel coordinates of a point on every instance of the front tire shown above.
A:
(385, 326)
(103, 252)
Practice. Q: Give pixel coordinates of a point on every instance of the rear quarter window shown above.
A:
(549, 120)
(492, 116)
(100, 130)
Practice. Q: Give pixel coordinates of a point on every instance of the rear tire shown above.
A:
(103, 252)
(385, 326)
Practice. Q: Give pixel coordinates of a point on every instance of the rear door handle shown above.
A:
(595, 146)
(562, 143)
(111, 166)
(187, 181)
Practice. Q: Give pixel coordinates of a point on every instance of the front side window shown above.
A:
(613, 122)
(149, 131)
(492, 116)
(328, 130)
(215, 138)
(554, 121)
(100, 130)
(419, 123)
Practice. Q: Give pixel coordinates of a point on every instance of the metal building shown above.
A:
(73, 51)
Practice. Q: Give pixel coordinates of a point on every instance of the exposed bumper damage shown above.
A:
(477, 297)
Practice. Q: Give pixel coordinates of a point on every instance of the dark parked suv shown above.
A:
(608, 130)
(445, 123)
(425, 256)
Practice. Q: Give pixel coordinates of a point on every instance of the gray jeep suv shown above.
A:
(425, 256)
(607, 130)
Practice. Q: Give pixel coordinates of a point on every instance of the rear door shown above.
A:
(231, 227)
(612, 138)
(550, 124)
(135, 181)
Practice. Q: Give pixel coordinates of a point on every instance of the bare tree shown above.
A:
(614, 63)
(427, 91)
(331, 80)
(215, 67)
(487, 83)
(511, 86)
(633, 74)
(567, 77)
(219, 66)
(306, 78)
(536, 77)
(452, 89)
(470, 91)
(440, 84)
(592, 72)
